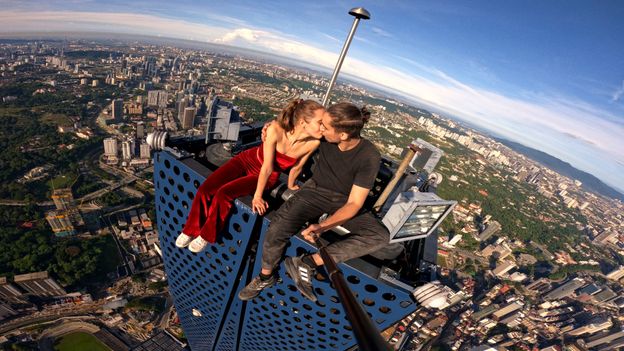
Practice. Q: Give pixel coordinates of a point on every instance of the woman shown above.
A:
(289, 143)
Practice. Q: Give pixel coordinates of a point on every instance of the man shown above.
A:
(344, 174)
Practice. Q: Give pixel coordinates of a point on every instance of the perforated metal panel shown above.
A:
(203, 281)
(280, 318)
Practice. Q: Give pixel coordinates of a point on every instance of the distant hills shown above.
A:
(590, 182)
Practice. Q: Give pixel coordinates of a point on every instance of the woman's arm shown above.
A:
(296, 169)
(258, 204)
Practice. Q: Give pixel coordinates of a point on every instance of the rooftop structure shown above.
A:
(39, 284)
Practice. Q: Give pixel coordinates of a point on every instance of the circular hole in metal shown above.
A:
(186, 176)
(371, 288)
(161, 174)
(196, 184)
(176, 170)
(389, 297)
(167, 164)
(353, 279)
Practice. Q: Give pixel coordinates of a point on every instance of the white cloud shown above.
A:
(381, 32)
(550, 123)
(618, 93)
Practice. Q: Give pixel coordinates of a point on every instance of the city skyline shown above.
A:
(533, 74)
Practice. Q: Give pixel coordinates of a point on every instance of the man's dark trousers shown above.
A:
(367, 235)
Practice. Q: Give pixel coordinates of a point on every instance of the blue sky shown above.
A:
(548, 74)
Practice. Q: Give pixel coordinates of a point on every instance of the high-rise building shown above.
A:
(145, 150)
(182, 105)
(126, 150)
(39, 284)
(140, 130)
(110, 147)
(157, 98)
(118, 110)
(8, 291)
(204, 286)
(189, 118)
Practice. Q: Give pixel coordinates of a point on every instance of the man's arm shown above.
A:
(354, 203)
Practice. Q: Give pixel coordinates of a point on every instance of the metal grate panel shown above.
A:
(280, 318)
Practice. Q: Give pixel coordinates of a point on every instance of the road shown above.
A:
(75, 311)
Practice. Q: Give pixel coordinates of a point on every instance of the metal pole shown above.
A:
(358, 13)
(366, 334)
(411, 151)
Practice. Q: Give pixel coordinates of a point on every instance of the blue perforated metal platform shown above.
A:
(204, 286)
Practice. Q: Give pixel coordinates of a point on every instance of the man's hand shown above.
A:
(264, 130)
(312, 232)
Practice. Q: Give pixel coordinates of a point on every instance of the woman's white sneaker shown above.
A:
(198, 244)
(183, 240)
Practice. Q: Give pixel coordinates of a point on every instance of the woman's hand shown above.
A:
(258, 205)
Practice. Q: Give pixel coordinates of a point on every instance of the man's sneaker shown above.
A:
(183, 240)
(198, 244)
(255, 287)
(302, 275)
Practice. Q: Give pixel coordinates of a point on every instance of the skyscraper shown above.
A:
(126, 150)
(182, 105)
(188, 120)
(145, 151)
(140, 130)
(118, 110)
(204, 285)
(110, 147)
(39, 284)
(157, 98)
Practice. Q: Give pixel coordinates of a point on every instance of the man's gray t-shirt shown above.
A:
(339, 170)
